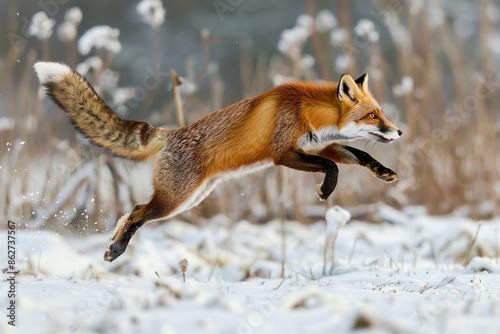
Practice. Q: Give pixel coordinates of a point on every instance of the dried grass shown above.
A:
(447, 161)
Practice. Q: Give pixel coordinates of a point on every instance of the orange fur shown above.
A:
(296, 125)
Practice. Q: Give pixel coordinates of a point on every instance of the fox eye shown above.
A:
(372, 115)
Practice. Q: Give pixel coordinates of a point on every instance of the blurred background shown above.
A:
(432, 66)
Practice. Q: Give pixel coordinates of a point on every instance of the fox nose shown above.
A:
(400, 132)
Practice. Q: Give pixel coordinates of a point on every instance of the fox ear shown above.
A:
(347, 88)
(362, 81)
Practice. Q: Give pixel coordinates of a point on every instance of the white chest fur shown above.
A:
(318, 140)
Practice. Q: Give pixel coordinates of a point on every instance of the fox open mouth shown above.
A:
(381, 137)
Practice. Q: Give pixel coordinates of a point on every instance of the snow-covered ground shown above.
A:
(400, 277)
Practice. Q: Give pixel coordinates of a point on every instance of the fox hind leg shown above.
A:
(128, 225)
(164, 204)
(123, 222)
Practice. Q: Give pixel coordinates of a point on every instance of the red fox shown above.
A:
(297, 125)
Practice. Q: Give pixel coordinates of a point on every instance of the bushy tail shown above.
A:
(127, 139)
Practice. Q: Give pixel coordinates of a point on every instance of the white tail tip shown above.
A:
(51, 72)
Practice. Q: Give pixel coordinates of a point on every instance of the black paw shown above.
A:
(387, 175)
(114, 250)
(322, 194)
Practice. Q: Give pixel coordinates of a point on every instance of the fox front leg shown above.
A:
(352, 156)
(312, 163)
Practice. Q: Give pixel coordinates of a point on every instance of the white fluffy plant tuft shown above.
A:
(67, 31)
(151, 12)
(73, 15)
(100, 37)
(41, 26)
(366, 28)
(325, 21)
(336, 218)
(90, 65)
(292, 40)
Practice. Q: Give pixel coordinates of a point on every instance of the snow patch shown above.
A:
(398, 278)
(481, 265)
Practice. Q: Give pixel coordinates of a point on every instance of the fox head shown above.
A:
(360, 114)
